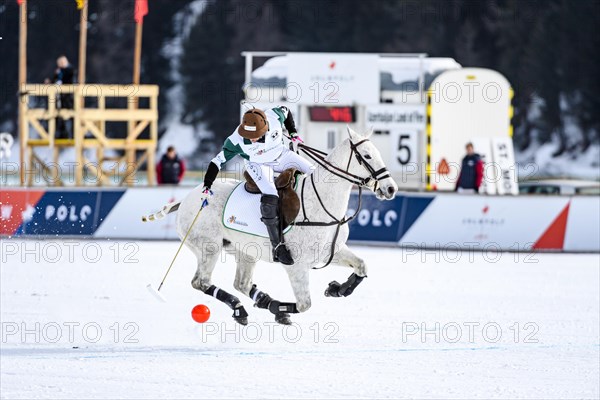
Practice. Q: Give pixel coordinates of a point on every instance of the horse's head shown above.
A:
(365, 162)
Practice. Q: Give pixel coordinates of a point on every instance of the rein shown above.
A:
(320, 158)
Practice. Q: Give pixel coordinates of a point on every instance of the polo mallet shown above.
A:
(156, 293)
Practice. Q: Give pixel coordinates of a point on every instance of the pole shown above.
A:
(83, 42)
(22, 81)
(83, 21)
(248, 69)
(137, 52)
(137, 57)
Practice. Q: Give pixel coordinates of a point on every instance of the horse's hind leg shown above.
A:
(347, 258)
(243, 283)
(208, 256)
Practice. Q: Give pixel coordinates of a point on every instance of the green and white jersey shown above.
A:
(263, 151)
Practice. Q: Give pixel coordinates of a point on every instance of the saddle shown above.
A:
(289, 202)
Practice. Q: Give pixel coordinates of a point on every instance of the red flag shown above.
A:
(19, 2)
(141, 9)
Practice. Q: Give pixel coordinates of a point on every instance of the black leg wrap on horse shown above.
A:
(239, 312)
(261, 299)
(277, 307)
(223, 296)
(346, 288)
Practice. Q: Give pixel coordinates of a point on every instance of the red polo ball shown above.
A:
(200, 313)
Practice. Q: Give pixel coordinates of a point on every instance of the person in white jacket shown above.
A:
(259, 141)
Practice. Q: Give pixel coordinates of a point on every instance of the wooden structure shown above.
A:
(137, 145)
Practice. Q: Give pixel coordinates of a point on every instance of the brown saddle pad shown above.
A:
(289, 202)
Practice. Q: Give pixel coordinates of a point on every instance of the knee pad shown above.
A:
(268, 206)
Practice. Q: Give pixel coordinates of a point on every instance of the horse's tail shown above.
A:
(168, 209)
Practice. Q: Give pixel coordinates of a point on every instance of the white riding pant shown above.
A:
(263, 174)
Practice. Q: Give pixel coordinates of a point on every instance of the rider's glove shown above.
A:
(296, 138)
(206, 194)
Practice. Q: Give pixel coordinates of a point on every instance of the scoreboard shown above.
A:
(332, 114)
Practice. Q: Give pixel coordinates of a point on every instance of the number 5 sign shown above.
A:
(401, 125)
(404, 148)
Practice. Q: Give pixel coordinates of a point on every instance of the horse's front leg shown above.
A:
(346, 257)
(298, 275)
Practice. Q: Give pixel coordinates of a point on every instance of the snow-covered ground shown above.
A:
(78, 322)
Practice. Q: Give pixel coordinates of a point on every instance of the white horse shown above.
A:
(326, 194)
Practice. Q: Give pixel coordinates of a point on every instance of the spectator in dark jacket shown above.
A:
(471, 171)
(63, 75)
(64, 72)
(170, 169)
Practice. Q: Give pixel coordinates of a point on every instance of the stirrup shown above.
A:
(289, 261)
(278, 246)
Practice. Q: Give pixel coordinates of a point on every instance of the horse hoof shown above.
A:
(333, 290)
(240, 315)
(283, 318)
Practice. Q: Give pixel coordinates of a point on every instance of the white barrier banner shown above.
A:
(125, 219)
(583, 224)
(475, 221)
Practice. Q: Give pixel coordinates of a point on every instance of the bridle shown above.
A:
(374, 175)
(319, 157)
